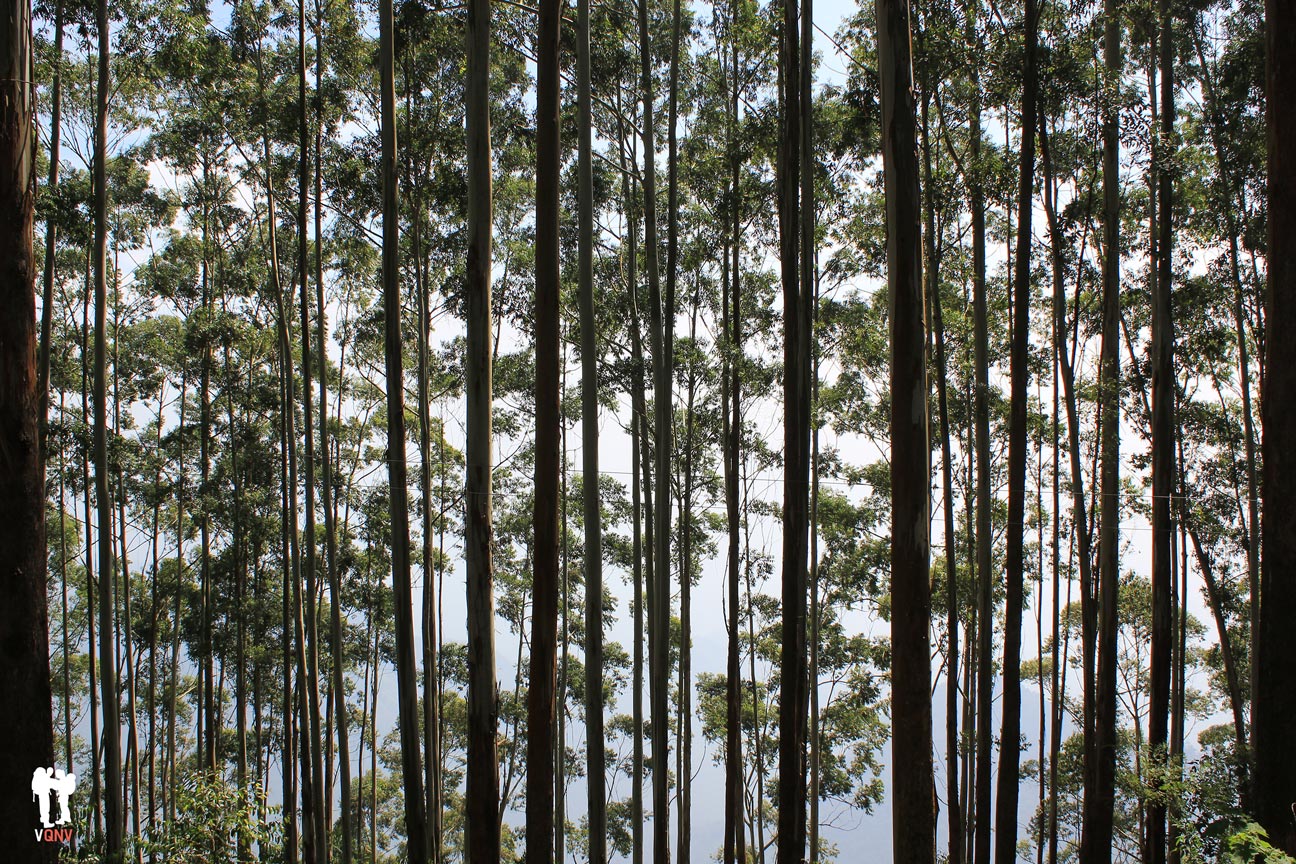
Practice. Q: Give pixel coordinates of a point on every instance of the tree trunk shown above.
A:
(326, 485)
(731, 385)
(794, 692)
(482, 792)
(541, 689)
(111, 743)
(913, 810)
(1010, 730)
(1099, 799)
(595, 744)
(417, 844)
(984, 499)
(660, 336)
(1163, 447)
(1274, 711)
(24, 628)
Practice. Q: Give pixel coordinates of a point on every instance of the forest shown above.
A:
(648, 431)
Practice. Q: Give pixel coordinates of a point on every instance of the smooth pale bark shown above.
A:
(315, 753)
(542, 683)
(482, 830)
(1274, 712)
(913, 796)
(1010, 730)
(417, 844)
(24, 626)
(114, 822)
(339, 706)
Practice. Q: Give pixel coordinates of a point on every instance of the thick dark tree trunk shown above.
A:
(1275, 699)
(1163, 449)
(794, 692)
(24, 628)
(541, 689)
(913, 800)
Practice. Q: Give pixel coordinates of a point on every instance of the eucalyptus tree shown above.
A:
(23, 624)
(113, 818)
(913, 817)
(417, 844)
(1273, 712)
(1010, 734)
(482, 829)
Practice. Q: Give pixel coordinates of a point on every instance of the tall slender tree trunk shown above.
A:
(326, 465)
(482, 832)
(315, 748)
(1163, 450)
(984, 499)
(417, 843)
(1099, 800)
(24, 625)
(735, 787)
(595, 745)
(1010, 730)
(913, 802)
(541, 689)
(794, 692)
(660, 330)
(113, 817)
(1274, 711)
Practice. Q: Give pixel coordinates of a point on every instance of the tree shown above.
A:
(1010, 734)
(1164, 384)
(913, 813)
(114, 821)
(24, 629)
(1100, 758)
(595, 738)
(482, 788)
(417, 842)
(1274, 713)
(542, 683)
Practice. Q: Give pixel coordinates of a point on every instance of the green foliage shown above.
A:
(215, 822)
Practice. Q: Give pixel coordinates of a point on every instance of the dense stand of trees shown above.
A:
(889, 339)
